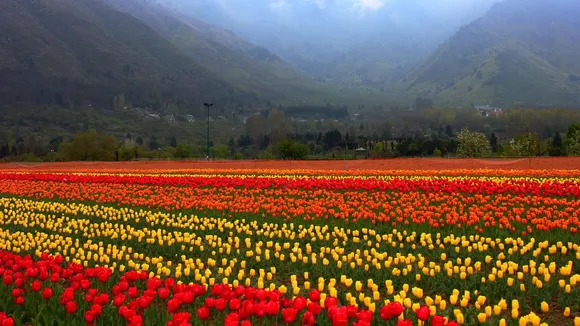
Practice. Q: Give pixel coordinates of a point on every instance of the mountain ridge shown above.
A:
(66, 52)
(520, 52)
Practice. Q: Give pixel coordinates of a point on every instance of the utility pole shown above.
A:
(208, 105)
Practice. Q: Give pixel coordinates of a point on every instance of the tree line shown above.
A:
(95, 146)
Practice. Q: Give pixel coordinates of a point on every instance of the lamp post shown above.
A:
(208, 105)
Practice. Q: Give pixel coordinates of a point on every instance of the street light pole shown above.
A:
(208, 105)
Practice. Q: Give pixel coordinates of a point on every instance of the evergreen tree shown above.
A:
(153, 143)
(449, 131)
(493, 142)
(557, 146)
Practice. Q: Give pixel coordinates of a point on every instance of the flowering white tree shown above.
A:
(472, 144)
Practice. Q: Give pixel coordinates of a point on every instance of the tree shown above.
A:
(183, 151)
(221, 151)
(256, 127)
(449, 131)
(278, 125)
(173, 141)
(89, 146)
(472, 144)
(232, 144)
(292, 150)
(153, 144)
(574, 146)
(573, 140)
(437, 153)
(526, 144)
(332, 138)
(493, 143)
(557, 146)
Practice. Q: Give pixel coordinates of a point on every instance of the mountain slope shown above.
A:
(83, 51)
(250, 67)
(342, 41)
(520, 52)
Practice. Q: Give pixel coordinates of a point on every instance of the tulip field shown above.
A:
(289, 247)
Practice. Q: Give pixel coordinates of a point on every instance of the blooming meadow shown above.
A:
(290, 247)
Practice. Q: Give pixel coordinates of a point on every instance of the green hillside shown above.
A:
(245, 65)
(520, 52)
(67, 52)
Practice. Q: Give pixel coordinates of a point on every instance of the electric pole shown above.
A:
(208, 105)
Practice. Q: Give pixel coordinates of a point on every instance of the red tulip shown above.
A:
(16, 293)
(308, 319)
(314, 308)
(385, 313)
(339, 319)
(423, 313)
(364, 315)
(47, 293)
(232, 319)
(248, 307)
(330, 302)
(314, 296)
(8, 322)
(97, 309)
(362, 323)
(437, 321)
(71, 307)
(300, 303)
(272, 308)
(188, 297)
(404, 322)
(173, 305)
(261, 309)
(35, 286)
(395, 309)
(89, 317)
(163, 293)
(351, 311)
(203, 313)
(235, 304)
(289, 315)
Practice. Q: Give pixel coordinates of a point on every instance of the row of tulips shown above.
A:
(482, 213)
(451, 185)
(76, 295)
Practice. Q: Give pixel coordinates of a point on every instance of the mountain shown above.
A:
(245, 65)
(519, 52)
(71, 52)
(349, 42)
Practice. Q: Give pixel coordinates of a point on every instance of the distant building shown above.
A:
(170, 117)
(489, 111)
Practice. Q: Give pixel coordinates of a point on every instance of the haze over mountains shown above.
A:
(351, 42)
(180, 53)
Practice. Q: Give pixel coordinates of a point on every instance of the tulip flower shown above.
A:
(423, 313)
